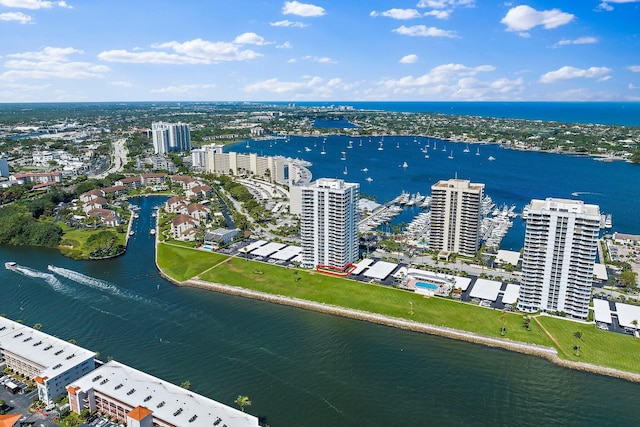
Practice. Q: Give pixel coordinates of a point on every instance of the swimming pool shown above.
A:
(429, 286)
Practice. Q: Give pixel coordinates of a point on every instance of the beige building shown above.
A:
(456, 216)
(270, 168)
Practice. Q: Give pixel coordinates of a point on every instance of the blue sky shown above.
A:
(263, 50)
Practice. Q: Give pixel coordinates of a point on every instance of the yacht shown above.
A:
(365, 170)
(491, 158)
(136, 216)
(10, 265)
(131, 233)
(307, 149)
(607, 222)
(369, 179)
(153, 231)
(405, 165)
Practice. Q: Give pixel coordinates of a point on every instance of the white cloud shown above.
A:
(310, 87)
(409, 59)
(442, 9)
(195, 51)
(15, 16)
(292, 60)
(523, 18)
(579, 40)
(122, 84)
(149, 57)
(302, 9)
(213, 51)
(442, 4)
(634, 68)
(569, 73)
(424, 31)
(632, 86)
(455, 81)
(250, 38)
(182, 89)
(321, 59)
(398, 13)
(285, 45)
(50, 62)
(440, 74)
(606, 6)
(440, 14)
(33, 4)
(287, 23)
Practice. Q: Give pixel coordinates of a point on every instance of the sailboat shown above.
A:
(466, 150)
(380, 147)
(350, 144)
(398, 145)
(247, 143)
(478, 152)
(426, 153)
(323, 152)
(444, 149)
(451, 155)
(344, 155)
(345, 170)
(360, 142)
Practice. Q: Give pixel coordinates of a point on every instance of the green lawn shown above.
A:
(78, 239)
(596, 346)
(182, 263)
(599, 347)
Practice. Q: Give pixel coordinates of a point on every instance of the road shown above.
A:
(119, 155)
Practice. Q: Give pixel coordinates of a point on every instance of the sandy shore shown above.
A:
(548, 353)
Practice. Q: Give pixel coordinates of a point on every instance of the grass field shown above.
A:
(78, 238)
(597, 347)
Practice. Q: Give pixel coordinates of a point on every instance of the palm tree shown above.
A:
(186, 384)
(37, 326)
(243, 401)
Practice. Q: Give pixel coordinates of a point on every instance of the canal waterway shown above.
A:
(299, 368)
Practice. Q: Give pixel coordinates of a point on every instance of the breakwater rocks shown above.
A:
(535, 350)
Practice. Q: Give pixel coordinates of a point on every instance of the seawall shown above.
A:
(548, 353)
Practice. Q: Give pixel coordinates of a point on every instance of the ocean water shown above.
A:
(608, 113)
(513, 178)
(299, 368)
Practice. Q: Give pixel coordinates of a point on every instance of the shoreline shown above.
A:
(548, 353)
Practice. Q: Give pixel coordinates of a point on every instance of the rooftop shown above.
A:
(168, 402)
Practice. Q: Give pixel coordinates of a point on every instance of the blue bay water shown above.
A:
(299, 368)
(513, 178)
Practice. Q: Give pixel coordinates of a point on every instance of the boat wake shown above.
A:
(581, 193)
(94, 283)
(52, 280)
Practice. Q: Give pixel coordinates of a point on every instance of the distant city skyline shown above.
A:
(418, 50)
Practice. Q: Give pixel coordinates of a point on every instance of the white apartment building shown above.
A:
(329, 222)
(168, 137)
(199, 155)
(456, 216)
(560, 247)
(268, 167)
(141, 400)
(51, 362)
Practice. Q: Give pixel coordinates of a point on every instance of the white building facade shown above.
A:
(560, 249)
(170, 137)
(141, 400)
(51, 362)
(329, 222)
(456, 216)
